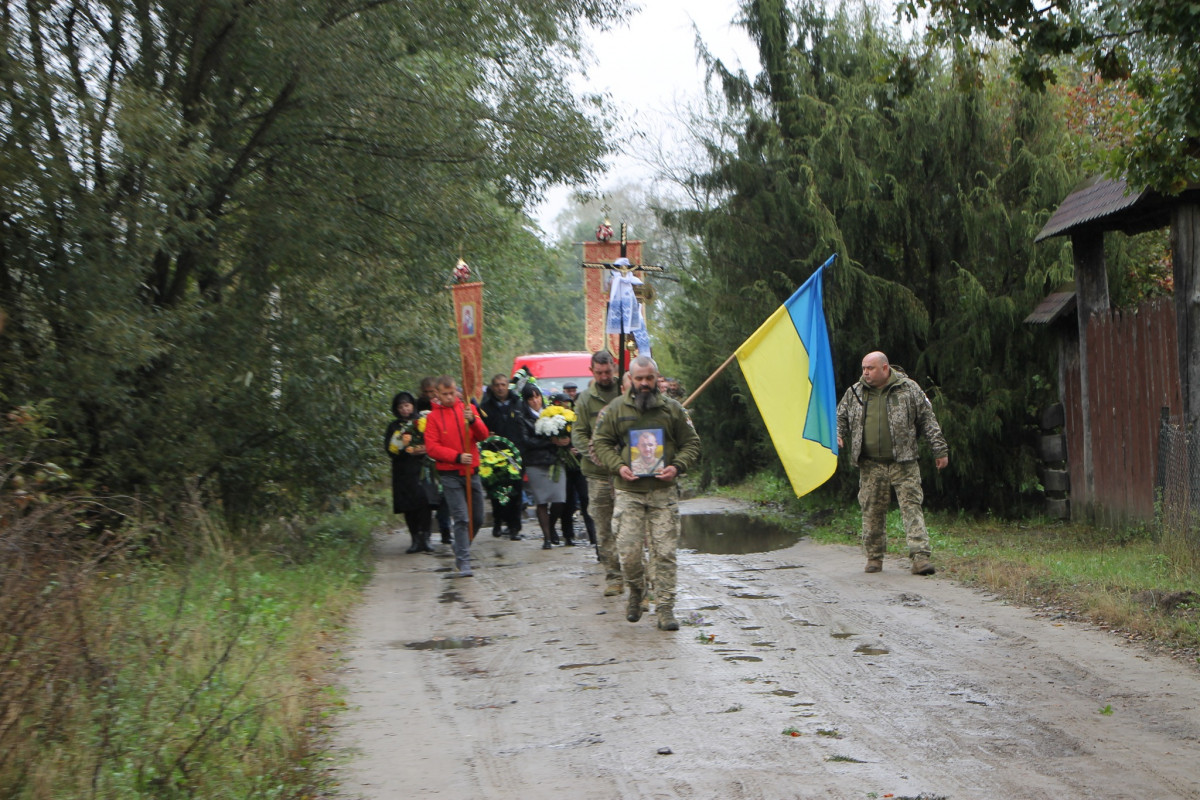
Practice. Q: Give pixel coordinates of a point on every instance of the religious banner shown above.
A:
(468, 317)
(596, 289)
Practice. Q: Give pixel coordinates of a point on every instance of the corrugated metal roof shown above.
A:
(1096, 199)
(1055, 306)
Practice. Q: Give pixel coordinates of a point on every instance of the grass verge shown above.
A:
(197, 672)
(1131, 580)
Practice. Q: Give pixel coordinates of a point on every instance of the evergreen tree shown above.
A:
(853, 141)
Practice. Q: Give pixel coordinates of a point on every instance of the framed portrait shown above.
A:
(646, 451)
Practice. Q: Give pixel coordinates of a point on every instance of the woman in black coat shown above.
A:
(547, 486)
(408, 495)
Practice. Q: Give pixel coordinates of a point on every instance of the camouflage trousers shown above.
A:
(648, 519)
(875, 483)
(600, 494)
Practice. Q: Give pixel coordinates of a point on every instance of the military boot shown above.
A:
(633, 611)
(921, 565)
(614, 587)
(666, 617)
(425, 548)
(415, 547)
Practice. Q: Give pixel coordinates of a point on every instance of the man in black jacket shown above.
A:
(501, 411)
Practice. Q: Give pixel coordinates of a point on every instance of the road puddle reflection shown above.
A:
(724, 534)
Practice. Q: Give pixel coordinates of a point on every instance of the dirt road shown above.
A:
(525, 682)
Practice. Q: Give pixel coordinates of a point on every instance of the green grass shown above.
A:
(199, 675)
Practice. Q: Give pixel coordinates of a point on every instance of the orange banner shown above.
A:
(595, 289)
(468, 320)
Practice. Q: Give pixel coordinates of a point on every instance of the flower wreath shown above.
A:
(500, 468)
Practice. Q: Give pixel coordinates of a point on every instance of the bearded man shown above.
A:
(647, 507)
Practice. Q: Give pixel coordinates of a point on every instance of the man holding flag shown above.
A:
(882, 416)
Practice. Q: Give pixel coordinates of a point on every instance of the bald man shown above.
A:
(882, 416)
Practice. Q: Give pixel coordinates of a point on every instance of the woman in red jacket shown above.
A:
(453, 432)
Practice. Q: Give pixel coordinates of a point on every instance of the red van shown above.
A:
(554, 369)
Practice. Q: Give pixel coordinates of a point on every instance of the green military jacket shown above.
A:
(610, 441)
(588, 405)
(909, 417)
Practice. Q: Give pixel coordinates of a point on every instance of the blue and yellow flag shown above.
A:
(789, 367)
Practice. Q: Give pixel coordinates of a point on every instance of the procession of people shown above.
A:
(615, 452)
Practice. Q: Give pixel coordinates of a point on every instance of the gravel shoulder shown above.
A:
(525, 681)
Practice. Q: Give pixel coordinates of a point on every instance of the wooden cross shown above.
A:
(622, 268)
(625, 270)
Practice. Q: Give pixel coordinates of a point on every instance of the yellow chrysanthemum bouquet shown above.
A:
(500, 468)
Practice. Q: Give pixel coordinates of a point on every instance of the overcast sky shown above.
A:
(649, 67)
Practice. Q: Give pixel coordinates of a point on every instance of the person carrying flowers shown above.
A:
(502, 410)
(404, 442)
(542, 442)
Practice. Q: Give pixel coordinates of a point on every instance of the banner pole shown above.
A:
(708, 380)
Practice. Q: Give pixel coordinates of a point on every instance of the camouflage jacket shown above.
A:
(910, 416)
(588, 405)
(680, 442)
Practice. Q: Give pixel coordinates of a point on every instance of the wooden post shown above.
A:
(1185, 255)
(1091, 291)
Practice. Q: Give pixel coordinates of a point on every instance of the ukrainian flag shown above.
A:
(789, 366)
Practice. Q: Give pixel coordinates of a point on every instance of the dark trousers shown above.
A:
(577, 498)
(418, 520)
(508, 515)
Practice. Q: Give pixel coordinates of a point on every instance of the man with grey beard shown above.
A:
(647, 507)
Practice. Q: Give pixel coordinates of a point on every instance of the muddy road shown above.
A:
(525, 682)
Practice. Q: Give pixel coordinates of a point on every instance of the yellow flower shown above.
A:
(421, 425)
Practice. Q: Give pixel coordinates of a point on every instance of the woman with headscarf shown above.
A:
(547, 479)
(409, 496)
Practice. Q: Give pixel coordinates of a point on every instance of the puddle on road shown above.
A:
(449, 596)
(842, 635)
(868, 650)
(444, 643)
(725, 534)
(753, 596)
(742, 658)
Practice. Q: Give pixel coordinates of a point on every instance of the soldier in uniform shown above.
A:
(648, 505)
(600, 392)
(882, 416)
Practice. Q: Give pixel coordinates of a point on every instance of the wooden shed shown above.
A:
(1122, 368)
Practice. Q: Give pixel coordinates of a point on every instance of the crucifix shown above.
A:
(625, 266)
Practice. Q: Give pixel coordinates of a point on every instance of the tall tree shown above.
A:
(1154, 44)
(853, 142)
(220, 222)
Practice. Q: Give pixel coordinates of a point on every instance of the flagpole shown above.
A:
(708, 380)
